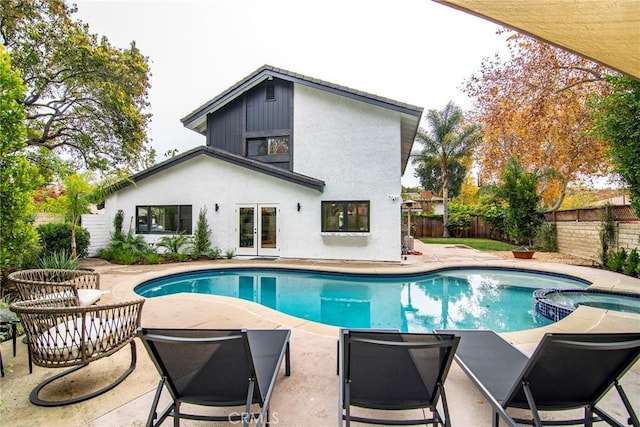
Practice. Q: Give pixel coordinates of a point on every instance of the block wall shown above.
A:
(582, 238)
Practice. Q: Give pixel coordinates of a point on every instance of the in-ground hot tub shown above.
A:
(555, 304)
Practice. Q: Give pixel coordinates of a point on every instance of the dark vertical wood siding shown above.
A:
(252, 115)
(224, 128)
(264, 115)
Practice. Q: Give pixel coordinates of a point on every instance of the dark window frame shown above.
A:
(184, 219)
(345, 215)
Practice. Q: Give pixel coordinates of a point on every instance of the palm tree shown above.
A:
(448, 141)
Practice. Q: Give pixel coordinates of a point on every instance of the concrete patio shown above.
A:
(309, 397)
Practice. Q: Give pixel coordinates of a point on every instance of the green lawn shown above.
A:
(480, 244)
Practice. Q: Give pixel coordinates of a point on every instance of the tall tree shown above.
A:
(617, 118)
(447, 142)
(18, 180)
(533, 107)
(84, 98)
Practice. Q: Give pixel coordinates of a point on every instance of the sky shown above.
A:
(414, 51)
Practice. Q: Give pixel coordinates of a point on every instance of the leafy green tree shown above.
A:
(518, 189)
(79, 194)
(84, 98)
(431, 178)
(18, 179)
(448, 141)
(617, 121)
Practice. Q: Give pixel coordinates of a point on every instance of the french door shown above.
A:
(258, 230)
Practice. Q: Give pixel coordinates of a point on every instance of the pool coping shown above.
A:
(590, 318)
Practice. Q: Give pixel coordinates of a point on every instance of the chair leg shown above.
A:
(633, 418)
(532, 404)
(287, 361)
(445, 407)
(35, 399)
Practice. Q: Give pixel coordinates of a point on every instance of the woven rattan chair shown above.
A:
(62, 334)
(83, 285)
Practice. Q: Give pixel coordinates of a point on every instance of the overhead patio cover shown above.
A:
(606, 31)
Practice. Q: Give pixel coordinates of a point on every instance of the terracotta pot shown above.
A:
(523, 254)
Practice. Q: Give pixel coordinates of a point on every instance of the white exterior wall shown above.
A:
(355, 148)
(204, 181)
(352, 146)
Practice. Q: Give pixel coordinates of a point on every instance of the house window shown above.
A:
(163, 219)
(346, 216)
(269, 146)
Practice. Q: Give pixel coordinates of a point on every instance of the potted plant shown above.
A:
(522, 217)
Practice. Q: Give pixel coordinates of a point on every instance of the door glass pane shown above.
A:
(268, 227)
(246, 227)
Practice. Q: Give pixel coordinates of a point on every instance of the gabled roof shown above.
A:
(410, 114)
(267, 169)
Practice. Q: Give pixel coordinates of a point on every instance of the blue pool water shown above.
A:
(498, 299)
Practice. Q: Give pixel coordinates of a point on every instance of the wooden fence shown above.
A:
(432, 227)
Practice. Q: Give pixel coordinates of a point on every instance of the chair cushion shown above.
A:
(88, 296)
(63, 342)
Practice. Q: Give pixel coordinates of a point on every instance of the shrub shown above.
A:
(459, 220)
(118, 219)
(126, 249)
(56, 237)
(214, 253)
(230, 253)
(631, 263)
(607, 232)
(547, 237)
(616, 260)
(152, 258)
(174, 243)
(202, 234)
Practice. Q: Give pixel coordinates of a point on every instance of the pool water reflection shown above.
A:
(499, 299)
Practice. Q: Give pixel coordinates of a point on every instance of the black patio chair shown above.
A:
(566, 371)
(216, 368)
(394, 371)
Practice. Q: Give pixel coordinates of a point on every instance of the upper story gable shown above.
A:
(254, 117)
(257, 124)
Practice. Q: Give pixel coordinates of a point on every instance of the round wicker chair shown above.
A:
(83, 285)
(62, 334)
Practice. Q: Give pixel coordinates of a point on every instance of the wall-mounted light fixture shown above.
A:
(299, 207)
(216, 207)
(394, 197)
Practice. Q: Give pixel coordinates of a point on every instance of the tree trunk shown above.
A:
(445, 202)
(73, 239)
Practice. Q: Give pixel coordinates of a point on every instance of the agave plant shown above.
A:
(59, 260)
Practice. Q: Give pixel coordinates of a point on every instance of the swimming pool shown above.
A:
(498, 299)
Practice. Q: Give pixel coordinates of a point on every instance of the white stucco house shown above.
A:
(293, 167)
